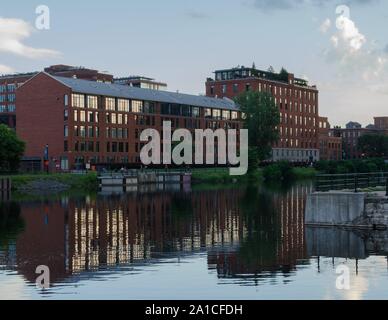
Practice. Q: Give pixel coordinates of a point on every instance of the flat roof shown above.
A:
(127, 92)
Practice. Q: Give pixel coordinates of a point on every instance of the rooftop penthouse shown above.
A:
(246, 73)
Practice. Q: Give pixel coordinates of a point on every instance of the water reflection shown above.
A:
(244, 231)
(246, 234)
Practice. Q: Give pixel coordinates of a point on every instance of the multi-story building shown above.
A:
(298, 107)
(381, 123)
(350, 135)
(9, 84)
(141, 82)
(330, 146)
(85, 122)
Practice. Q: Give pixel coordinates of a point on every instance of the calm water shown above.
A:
(239, 243)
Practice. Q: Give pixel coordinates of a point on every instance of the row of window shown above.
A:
(7, 88)
(301, 121)
(7, 108)
(302, 108)
(276, 91)
(137, 106)
(8, 98)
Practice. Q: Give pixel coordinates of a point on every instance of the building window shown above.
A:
(66, 131)
(234, 115)
(92, 102)
(208, 113)
(123, 105)
(137, 106)
(11, 97)
(149, 107)
(82, 116)
(66, 115)
(78, 100)
(225, 115)
(195, 113)
(212, 90)
(224, 88)
(110, 104)
(11, 108)
(11, 87)
(66, 99)
(247, 87)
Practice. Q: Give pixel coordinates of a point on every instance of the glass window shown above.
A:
(216, 114)
(82, 116)
(137, 106)
(123, 105)
(92, 102)
(66, 98)
(208, 113)
(234, 115)
(195, 112)
(226, 115)
(110, 104)
(11, 97)
(149, 107)
(66, 131)
(78, 100)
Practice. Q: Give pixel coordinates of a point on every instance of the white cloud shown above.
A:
(325, 26)
(356, 58)
(5, 69)
(13, 32)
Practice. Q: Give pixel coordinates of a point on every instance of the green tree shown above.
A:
(373, 145)
(11, 149)
(261, 119)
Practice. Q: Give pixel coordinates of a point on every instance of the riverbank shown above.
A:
(221, 175)
(56, 183)
(53, 183)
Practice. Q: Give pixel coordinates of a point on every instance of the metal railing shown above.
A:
(351, 181)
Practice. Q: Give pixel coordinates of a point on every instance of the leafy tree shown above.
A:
(261, 119)
(11, 149)
(283, 75)
(373, 145)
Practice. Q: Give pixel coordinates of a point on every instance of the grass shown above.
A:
(304, 173)
(73, 181)
(222, 176)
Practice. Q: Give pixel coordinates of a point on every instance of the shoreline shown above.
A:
(47, 184)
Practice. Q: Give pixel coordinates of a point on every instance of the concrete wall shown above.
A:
(334, 208)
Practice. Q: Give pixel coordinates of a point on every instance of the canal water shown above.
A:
(243, 242)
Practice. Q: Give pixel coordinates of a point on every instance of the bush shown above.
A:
(352, 166)
(278, 171)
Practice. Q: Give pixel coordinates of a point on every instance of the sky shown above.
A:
(339, 45)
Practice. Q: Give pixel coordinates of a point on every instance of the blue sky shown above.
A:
(182, 42)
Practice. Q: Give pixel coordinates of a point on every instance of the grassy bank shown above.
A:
(65, 181)
(221, 175)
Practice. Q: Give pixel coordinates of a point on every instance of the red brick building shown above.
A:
(350, 136)
(330, 146)
(9, 84)
(298, 106)
(85, 122)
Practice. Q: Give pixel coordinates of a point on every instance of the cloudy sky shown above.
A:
(341, 46)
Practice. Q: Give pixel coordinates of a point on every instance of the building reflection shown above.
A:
(244, 231)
